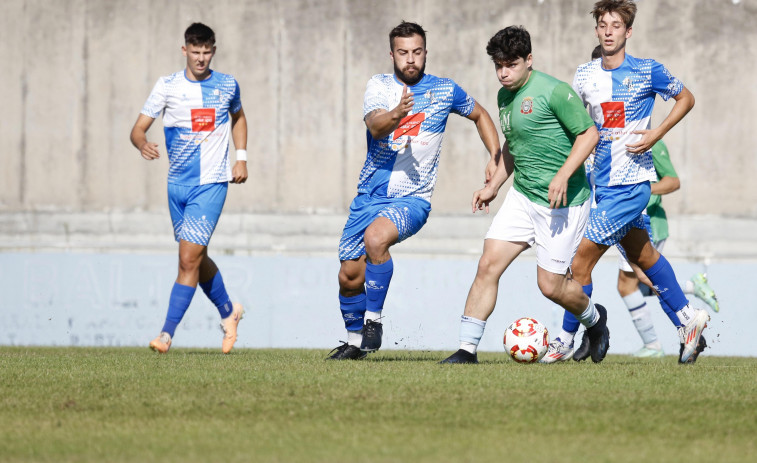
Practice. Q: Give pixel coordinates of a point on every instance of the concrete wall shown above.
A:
(120, 300)
(78, 72)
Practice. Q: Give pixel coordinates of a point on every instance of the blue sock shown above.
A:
(353, 310)
(672, 315)
(178, 303)
(216, 292)
(377, 279)
(570, 323)
(663, 278)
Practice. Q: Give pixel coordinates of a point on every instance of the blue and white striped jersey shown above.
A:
(620, 101)
(196, 124)
(405, 162)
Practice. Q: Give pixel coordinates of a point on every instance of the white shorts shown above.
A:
(555, 233)
(623, 262)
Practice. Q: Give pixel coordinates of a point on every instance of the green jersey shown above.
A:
(540, 122)
(658, 220)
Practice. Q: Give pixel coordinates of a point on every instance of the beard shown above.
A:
(407, 79)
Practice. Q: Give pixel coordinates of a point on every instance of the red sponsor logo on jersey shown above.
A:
(615, 114)
(203, 120)
(409, 125)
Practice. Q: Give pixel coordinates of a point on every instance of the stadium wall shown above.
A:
(80, 71)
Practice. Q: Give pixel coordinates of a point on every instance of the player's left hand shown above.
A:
(648, 139)
(239, 172)
(558, 192)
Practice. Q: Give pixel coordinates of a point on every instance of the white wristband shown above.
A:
(241, 155)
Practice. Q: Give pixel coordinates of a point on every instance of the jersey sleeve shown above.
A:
(236, 100)
(578, 79)
(569, 109)
(376, 96)
(664, 83)
(662, 163)
(462, 103)
(156, 102)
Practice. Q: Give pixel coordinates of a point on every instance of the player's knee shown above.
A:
(189, 262)
(550, 289)
(350, 279)
(376, 242)
(488, 267)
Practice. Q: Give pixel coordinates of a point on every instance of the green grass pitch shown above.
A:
(197, 405)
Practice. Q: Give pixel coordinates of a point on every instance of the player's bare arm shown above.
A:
(684, 103)
(666, 185)
(582, 148)
(381, 122)
(239, 135)
(505, 167)
(138, 138)
(488, 133)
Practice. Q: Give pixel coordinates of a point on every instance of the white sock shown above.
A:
(641, 316)
(373, 316)
(686, 314)
(566, 337)
(468, 347)
(471, 330)
(590, 316)
(354, 338)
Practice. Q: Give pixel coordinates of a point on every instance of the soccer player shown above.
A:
(633, 285)
(200, 107)
(630, 277)
(619, 91)
(405, 114)
(548, 136)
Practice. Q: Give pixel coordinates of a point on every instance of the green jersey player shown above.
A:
(548, 137)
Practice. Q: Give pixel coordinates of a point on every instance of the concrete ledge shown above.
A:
(706, 238)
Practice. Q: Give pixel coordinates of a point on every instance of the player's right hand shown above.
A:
(150, 151)
(482, 198)
(406, 103)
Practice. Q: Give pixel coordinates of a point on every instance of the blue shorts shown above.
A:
(195, 210)
(617, 209)
(408, 214)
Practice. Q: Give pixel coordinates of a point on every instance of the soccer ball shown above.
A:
(526, 340)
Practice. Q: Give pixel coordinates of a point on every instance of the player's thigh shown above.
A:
(639, 249)
(558, 234)
(497, 256)
(407, 215)
(587, 256)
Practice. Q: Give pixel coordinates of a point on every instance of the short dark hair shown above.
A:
(199, 34)
(626, 9)
(596, 52)
(509, 44)
(406, 29)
